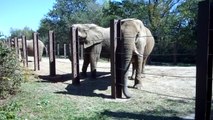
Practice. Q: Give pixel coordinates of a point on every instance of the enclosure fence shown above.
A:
(204, 63)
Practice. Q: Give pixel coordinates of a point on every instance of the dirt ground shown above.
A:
(173, 81)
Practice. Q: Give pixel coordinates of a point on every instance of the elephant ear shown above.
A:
(94, 36)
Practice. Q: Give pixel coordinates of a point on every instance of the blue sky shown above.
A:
(21, 13)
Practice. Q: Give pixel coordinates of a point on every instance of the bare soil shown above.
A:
(169, 81)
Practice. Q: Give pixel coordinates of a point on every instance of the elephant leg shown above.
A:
(143, 66)
(94, 57)
(132, 77)
(138, 78)
(85, 62)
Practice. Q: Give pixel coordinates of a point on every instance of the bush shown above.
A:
(10, 72)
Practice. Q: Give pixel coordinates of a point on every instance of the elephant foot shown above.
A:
(131, 78)
(142, 76)
(93, 74)
(83, 74)
(138, 86)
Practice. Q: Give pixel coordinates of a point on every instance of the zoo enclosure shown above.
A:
(204, 69)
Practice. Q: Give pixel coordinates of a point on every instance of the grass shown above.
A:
(40, 101)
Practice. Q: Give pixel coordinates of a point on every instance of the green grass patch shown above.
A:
(38, 101)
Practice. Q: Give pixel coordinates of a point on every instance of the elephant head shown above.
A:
(91, 34)
(134, 42)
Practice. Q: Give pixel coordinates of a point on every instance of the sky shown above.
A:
(18, 14)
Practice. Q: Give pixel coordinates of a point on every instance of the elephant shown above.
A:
(93, 38)
(29, 48)
(150, 42)
(138, 43)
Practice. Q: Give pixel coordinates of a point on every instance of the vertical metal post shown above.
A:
(24, 47)
(51, 37)
(35, 50)
(65, 50)
(16, 47)
(75, 56)
(204, 64)
(58, 50)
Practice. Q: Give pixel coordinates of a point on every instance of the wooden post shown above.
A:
(113, 44)
(25, 55)
(116, 88)
(58, 49)
(204, 63)
(65, 50)
(51, 37)
(16, 47)
(9, 42)
(81, 51)
(119, 50)
(46, 49)
(74, 56)
(36, 51)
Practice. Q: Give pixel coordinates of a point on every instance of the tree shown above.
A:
(68, 12)
(19, 32)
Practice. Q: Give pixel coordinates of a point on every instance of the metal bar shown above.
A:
(113, 56)
(65, 50)
(35, 49)
(51, 37)
(24, 47)
(201, 106)
(74, 56)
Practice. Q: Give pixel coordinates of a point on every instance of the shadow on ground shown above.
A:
(139, 116)
(57, 78)
(88, 86)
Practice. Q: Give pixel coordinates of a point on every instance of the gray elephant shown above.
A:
(29, 47)
(94, 38)
(150, 42)
(137, 45)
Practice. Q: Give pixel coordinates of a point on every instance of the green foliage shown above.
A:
(19, 32)
(10, 72)
(68, 12)
(170, 21)
(9, 112)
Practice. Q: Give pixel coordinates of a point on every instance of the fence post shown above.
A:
(16, 47)
(51, 37)
(9, 42)
(113, 45)
(81, 51)
(74, 55)
(116, 88)
(65, 50)
(25, 51)
(204, 63)
(36, 51)
(58, 49)
(46, 49)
